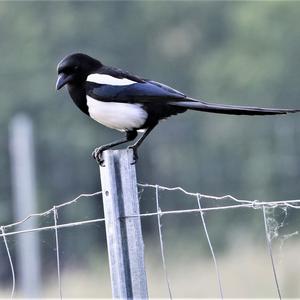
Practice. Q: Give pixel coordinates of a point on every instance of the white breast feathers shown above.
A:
(120, 116)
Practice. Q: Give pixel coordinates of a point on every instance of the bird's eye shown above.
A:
(76, 68)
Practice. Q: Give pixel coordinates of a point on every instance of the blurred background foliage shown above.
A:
(245, 53)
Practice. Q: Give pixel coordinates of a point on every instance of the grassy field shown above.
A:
(245, 273)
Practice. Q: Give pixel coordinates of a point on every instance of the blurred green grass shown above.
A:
(245, 269)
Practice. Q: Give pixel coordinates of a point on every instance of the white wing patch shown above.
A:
(107, 79)
(116, 115)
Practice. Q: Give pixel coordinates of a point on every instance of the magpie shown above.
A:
(129, 103)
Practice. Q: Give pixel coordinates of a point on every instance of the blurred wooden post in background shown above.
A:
(24, 202)
(124, 235)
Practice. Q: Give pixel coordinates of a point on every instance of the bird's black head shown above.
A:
(75, 68)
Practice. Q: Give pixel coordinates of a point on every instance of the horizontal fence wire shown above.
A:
(55, 227)
(238, 203)
(8, 230)
(46, 213)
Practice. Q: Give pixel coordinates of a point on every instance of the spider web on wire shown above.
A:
(271, 226)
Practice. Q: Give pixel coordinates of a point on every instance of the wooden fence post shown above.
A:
(124, 235)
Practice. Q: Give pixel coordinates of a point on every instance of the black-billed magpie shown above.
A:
(122, 101)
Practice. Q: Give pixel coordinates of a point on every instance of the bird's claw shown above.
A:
(98, 156)
(135, 154)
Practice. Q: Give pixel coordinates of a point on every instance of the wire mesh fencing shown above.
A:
(216, 203)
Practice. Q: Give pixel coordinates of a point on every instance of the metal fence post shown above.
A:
(124, 235)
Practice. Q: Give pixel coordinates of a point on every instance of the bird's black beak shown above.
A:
(62, 80)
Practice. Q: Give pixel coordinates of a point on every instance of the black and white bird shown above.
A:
(128, 103)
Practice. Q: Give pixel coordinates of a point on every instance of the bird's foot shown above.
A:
(135, 154)
(98, 155)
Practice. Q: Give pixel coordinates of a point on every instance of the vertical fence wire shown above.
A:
(55, 216)
(210, 247)
(161, 242)
(159, 213)
(268, 238)
(10, 263)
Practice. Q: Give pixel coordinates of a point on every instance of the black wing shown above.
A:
(147, 91)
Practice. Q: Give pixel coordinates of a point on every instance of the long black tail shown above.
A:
(230, 109)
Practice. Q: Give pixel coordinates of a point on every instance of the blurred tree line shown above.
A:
(245, 53)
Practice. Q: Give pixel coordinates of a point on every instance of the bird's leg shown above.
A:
(135, 146)
(97, 153)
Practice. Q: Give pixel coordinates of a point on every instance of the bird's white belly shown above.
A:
(120, 116)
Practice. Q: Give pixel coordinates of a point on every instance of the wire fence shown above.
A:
(219, 203)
